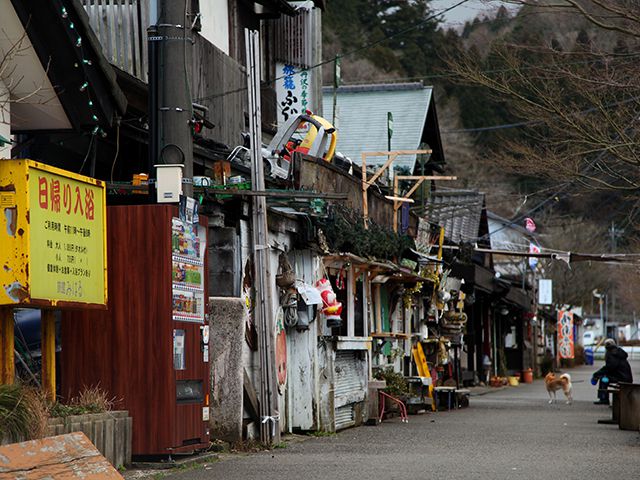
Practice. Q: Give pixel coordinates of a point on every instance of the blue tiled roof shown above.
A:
(362, 119)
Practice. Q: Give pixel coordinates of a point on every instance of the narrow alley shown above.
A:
(511, 433)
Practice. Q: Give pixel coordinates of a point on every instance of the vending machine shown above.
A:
(149, 351)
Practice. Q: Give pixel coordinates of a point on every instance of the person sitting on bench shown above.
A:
(616, 369)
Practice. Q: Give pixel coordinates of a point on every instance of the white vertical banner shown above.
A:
(293, 91)
(545, 291)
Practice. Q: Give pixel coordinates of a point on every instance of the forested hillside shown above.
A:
(536, 106)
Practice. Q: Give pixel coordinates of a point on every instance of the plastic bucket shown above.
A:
(588, 356)
(527, 376)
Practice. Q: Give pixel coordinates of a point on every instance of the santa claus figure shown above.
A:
(331, 308)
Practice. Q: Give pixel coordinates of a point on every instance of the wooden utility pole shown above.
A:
(269, 415)
(174, 92)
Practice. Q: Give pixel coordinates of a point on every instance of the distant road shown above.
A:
(508, 434)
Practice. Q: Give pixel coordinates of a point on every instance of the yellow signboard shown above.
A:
(53, 240)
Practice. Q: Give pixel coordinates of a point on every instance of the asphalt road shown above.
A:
(512, 433)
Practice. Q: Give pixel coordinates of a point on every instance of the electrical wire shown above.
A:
(93, 136)
(501, 70)
(351, 52)
(115, 157)
(539, 122)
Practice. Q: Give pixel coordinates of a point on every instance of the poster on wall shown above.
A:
(565, 334)
(187, 271)
(293, 91)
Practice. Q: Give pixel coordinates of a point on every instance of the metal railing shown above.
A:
(121, 25)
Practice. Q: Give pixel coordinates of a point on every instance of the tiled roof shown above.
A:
(362, 119)
(458, 211)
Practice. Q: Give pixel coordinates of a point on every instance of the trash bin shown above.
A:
(588, 356)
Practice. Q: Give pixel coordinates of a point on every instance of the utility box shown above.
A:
(169, 183)
(52, 237)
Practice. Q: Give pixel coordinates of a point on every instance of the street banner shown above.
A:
(565, 334)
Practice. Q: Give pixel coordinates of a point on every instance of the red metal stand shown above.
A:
(401, 405)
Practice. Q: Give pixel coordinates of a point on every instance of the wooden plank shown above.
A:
(65, 456)
(398, 152)
(7, 367)
(426, 177)
(365, 187)
(392, 156)
(251, 403)
(48, 335)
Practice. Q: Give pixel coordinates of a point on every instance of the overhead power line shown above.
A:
(356, 50)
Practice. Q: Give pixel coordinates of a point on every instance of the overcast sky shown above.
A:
(466, 11)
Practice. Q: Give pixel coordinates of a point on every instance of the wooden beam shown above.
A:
(414, 188)
(397, 152)
(250, 397)
(396, 204)
(366, 183)
(48, 348)
(390, 159)
(427, 177)
(365, 200)
(7, 367)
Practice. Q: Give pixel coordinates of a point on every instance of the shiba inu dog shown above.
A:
(554, 384)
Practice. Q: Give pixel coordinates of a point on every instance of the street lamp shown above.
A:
(601, 296)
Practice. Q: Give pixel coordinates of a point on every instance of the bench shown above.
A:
(629, 400)
(456, 397)
(615, 405)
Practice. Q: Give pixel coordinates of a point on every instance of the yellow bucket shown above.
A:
(513, 381)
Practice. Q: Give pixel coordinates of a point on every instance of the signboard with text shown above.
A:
(545, 291)
(293, 91)
(54, 240)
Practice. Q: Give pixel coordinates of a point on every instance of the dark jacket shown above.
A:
(616, 366)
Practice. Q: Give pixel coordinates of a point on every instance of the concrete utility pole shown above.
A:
(175, 145)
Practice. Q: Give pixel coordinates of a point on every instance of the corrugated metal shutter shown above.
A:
(350, 378)
(344, 417)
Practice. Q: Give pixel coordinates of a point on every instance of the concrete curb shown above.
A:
(181, 463)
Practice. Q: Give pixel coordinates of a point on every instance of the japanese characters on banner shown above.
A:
(565, 334)
(67, 239)
(293, 91)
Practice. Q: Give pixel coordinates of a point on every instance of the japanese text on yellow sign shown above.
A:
(67, 239)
